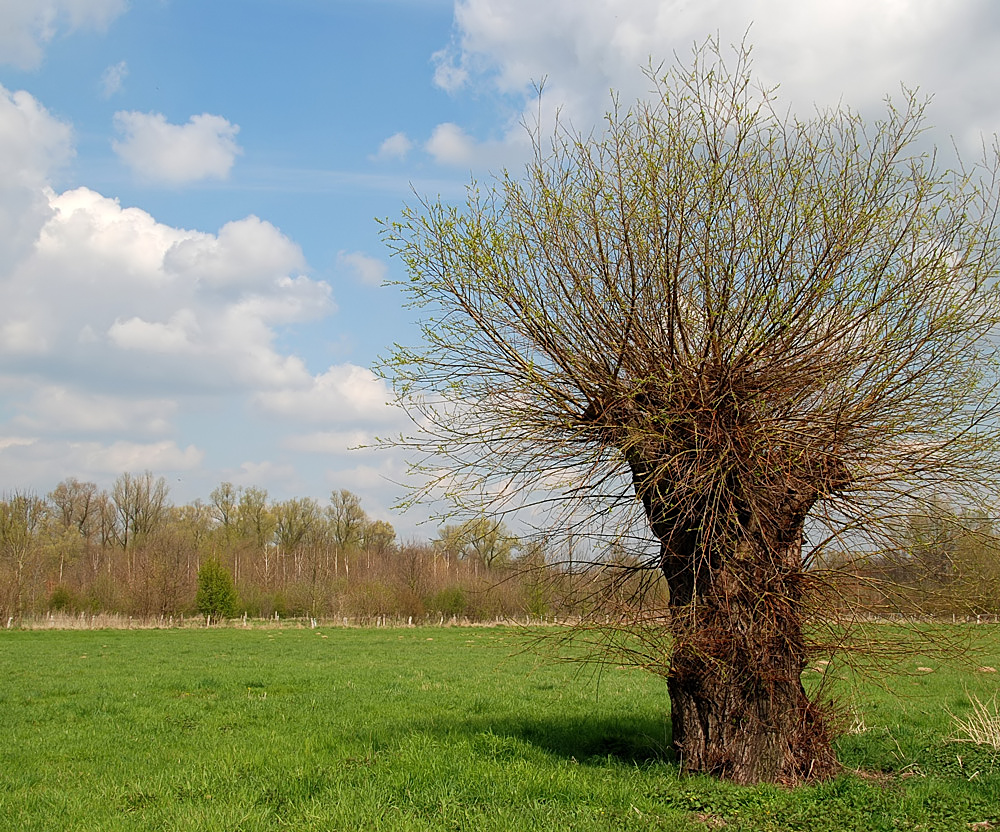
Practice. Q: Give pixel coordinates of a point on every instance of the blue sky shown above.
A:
(190, 271)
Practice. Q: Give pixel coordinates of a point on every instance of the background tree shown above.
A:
(75, 507)
(481, 540)
(947, 564)
(225, 508)
(21, 518)
(140, 507)
(296, 523)
(255, 524)
(347, 522)
(726, 322)
(378, 538)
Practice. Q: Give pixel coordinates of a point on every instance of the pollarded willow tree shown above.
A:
(740, 323)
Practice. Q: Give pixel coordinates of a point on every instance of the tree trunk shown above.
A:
(739, 709)
(732, 559)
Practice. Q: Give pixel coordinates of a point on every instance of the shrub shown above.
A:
(216, 591)
(449, 601)
(62, 599)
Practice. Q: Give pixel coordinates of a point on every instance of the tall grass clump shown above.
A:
(982, 725)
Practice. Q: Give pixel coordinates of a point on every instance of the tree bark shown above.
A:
(738, 707)
(735, 576)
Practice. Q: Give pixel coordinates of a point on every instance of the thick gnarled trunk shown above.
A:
(730, 524)
(739, 709)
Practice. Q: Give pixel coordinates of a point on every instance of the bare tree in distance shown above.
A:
(730, 324)
(140, 506)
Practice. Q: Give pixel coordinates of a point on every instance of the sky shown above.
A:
(191, 273)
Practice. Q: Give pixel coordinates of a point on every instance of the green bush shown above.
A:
(62, 599)
(216, 591)
(450, 601)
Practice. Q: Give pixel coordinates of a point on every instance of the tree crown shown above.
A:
(713, 297)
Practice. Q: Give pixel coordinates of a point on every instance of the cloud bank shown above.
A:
(853, 51)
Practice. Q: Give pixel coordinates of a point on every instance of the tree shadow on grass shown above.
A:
(634, 740)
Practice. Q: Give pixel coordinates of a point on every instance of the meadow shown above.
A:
(438, 729)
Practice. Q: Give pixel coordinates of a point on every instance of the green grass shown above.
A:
(447, 729)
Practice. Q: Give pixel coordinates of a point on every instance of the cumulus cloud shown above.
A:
(114, 326)
(33, 144)
(32, 141)
(369, 270)
(248, 253)
(344, 394)
(109, 290)
(372, 480)
(173, 154)
(113, 78)
(174, 336)
(450, 73)
(397, 146)
(276, 475)
(119, 334)
(450, 144)
(852, 51)
(26, 26)
(21, 336)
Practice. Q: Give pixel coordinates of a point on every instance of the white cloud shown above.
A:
(344, 394)
(90, 235)
(174, 336)
(21, 336)
(113, 78)
(246, 253)
(108, 290)
(449, 144)
(397, 146)
(32, 142)
(135, 456)
(369, 270)
(157, 151)
(43, 462)
(275, 476)
(852, 50)
(449, 72)
(122, 338)
(27, 25)
(15, 442)
(32, 145)
(55, 408)
(376, 482)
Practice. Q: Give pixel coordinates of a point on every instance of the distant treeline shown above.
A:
(942, 562)
(131, 551)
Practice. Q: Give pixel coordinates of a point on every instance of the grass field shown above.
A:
(437, 728)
